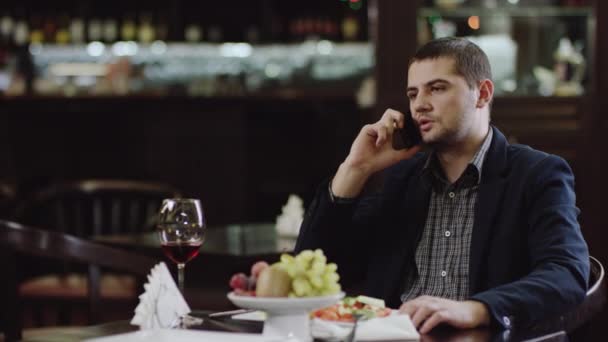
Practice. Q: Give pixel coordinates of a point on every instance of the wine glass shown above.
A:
(181, 229)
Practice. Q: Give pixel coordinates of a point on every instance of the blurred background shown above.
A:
(242, 103)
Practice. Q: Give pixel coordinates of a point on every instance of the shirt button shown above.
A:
(506, 321)
(444, 273)
(448, 233)
(452, 194)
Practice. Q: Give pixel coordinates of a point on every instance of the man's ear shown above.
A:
(486, 92)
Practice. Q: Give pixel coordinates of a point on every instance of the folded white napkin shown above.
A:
(288, 223)
(161, 305)
(393, 327)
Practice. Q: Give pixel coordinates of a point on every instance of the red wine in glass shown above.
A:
(181, 253)
(181, 229)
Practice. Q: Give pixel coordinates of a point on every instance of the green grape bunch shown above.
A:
(310, 274)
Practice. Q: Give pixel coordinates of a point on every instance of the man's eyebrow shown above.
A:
(429, 84)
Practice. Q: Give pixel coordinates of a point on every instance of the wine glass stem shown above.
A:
(180, 276)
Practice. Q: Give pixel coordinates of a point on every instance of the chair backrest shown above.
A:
(574, 321)
(595, 298)
(96, 207)
(16, 240)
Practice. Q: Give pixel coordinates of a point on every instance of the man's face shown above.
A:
(441, 101)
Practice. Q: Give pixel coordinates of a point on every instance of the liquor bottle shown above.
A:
(145, 33)
(350, 28)
(215, 34)
(49, 28)
(110, 30)
(21, 33)
(128, 30)
(95, 30)
(77, 30)
(35, 29)
(252, 35)
(193, 33)
(162, 29)
(62, 35)
(7, 24)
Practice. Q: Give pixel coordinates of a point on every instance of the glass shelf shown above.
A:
(513, 11)
(203, 69)
(534, 50)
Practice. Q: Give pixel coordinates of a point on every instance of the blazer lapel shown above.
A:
(407, 229)
(491, 191)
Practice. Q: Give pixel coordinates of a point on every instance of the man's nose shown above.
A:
(420, 105)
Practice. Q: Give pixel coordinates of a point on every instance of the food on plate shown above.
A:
(343, 311)
(305, 275)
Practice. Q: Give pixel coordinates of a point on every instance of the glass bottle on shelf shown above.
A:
(49, 27)
(36, 33)
(62, 35)
(193, 33)
(162, 29)
(77, 30)
(7, 25)
(145, 33)
(95, 30)
(128, 29)
(215, 34)
(350, 28)
(110, 30)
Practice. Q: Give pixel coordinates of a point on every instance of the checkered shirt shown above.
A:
(442, 256)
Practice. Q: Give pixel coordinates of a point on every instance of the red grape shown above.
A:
(239, 281)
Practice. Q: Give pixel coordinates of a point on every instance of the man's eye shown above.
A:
(435, 89)
(411, 96)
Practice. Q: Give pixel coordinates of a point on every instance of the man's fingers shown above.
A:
(421, 315)
(382, 134)
(391, 117)
(432, 321)
(408, 308)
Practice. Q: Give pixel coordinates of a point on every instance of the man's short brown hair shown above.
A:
(469, 60)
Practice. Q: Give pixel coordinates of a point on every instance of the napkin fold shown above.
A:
(292, 213)
(161, 305)
(393, 327)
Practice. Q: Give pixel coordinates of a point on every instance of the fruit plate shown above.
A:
(286, 317)
(283, 305)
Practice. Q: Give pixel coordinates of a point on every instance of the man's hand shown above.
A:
(371, 152)
(427, 312)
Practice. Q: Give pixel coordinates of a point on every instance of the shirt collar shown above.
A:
(432, 163)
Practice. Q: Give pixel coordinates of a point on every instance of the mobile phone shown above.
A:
(409, 135)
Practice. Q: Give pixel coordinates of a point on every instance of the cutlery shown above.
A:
(351, 336)
(230, 313)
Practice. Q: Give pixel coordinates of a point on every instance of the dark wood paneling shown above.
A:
(242, 157)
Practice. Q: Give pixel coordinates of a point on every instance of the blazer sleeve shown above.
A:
(341, 230)
(558, 253)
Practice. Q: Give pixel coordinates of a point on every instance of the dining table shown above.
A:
(233, 248)
(238, 326)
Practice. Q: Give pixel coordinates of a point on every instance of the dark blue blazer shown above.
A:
(528, 258)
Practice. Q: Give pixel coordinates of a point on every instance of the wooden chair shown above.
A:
(84, 209)
(95, 207)
(577, 323)
(17, 240)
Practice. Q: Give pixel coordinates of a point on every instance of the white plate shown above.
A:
(286, 317)
(284, 305)
(167, 335)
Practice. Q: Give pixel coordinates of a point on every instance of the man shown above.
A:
(474, 232)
